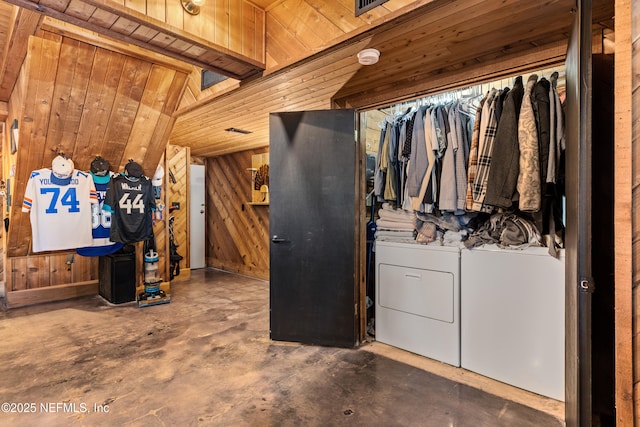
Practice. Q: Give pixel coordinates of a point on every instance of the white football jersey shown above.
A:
(60, 210)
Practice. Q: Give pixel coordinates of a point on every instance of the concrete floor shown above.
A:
(206, 359)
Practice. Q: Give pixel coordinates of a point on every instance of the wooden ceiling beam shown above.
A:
(77, 33)
(24, 24)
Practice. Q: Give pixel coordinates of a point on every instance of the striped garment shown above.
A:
(479, 189)
(473, 156)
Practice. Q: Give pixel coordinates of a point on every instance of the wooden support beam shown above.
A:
(130, 26)
(24, 24)
(625, 359)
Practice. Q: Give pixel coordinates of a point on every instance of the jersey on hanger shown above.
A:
(60, 209)
(101, 223)
(131, 203)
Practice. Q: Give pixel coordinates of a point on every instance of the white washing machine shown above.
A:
(512, 317)
(418, 299)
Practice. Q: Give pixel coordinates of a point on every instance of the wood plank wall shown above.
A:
(628, 156)
(86, 101)
(237, 25)
(40, 271)
(237, 233)
(178, 192)
(25, 277)
(82, 100)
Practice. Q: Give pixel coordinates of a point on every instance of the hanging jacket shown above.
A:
(541, 110)
(556, 143)
(472, 166)
(448, 197)
(418, 159)
(503, 176)
(461, 157)
(484, 159)
(529, 175)
(381, 163)
(392, 167)
(426, 193)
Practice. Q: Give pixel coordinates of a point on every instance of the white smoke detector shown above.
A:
(368, 56)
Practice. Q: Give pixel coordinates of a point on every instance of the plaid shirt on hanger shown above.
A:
(484, 162)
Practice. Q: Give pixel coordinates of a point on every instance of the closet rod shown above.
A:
(482, 88)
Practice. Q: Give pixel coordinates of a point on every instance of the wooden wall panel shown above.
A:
(18, 274)
(160, 233)
(156, 9)
(178, 192)
(38, 272)
(137, 5)
(8, 163)
(42, 271)
(219, 21)
(84, 269)
(259, 46)
(86, 101)
(627, 210)
(40, 66)
(236, 30)
(249, 29)
(99, 131)
(60, 269)
(237, 233)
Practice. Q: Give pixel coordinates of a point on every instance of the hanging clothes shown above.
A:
(392, 163)
(379, 175)
(484, 153)
(418, 157)
(551, 218)
(447, 200)
(454, 166)
(556, 143)
(541, 109)
(472, 167)
(409, 120)
(499, 154)
(503, 176)
(529, 174)
(426, 187)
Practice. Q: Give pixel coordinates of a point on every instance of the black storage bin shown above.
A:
(117, 277)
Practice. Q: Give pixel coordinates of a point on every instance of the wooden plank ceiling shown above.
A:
(426, 46)
(121, 23)
(436, 46)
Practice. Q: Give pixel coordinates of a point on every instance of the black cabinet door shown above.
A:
(578, 275)
(312, 225)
